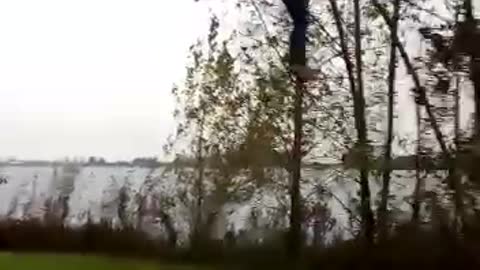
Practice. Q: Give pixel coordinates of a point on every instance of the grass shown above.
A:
(13, 261)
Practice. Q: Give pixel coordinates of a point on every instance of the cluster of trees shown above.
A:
(91, 160)
(148, 162)
(244, 116)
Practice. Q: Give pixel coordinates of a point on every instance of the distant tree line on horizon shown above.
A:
(149, 162)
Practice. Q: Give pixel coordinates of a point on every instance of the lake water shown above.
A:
(95, 189)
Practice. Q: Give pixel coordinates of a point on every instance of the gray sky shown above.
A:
(91, 77)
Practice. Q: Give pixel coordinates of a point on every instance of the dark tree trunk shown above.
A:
(295, 239)
(419, 90)
(359, 113)
(457, 113)
(365, 196)
(417, 200)
(476, 83)
(347, 59)
(475, 158)
(169, 227)
(470, 26)
(200, 167)
(422, 99)
(455, 171)
(382, 211)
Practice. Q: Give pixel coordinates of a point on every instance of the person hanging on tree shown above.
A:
(298, 10)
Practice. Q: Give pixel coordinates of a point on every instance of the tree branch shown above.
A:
(419, 89)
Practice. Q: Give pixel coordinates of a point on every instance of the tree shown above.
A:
(348, 99)
(356, 89)
(382, 210)
(216, 111)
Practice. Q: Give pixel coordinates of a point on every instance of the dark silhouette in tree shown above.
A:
(298, 10)
(123, 200)
(96, 161)
(323, 222)
(167, 222)
(147, 162)
(65, 208)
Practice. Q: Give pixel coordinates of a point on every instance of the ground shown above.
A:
(13, 261)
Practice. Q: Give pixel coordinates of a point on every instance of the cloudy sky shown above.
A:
(91, 77)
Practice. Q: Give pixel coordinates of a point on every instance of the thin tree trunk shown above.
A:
(347, 59)
(468, 38)
(454, 171)
(365, 196)
(475, 66)
(417, 193)
(419, 89)
(295, 237)
(422, 98)
(468, 9)
(200, 166)
(475, 76)
(383, 213)
(464, 42)
(476, 83)
(457, 113)
(359, 114)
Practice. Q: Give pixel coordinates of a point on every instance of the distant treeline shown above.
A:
(398, 163)
(91, 161)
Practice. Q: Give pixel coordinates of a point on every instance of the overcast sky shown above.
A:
(91, 77)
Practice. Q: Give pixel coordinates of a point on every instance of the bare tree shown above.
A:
(356, 89)
(383, 211)
(419, 90)
(365, 196)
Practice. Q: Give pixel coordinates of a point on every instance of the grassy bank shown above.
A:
(13, 261)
